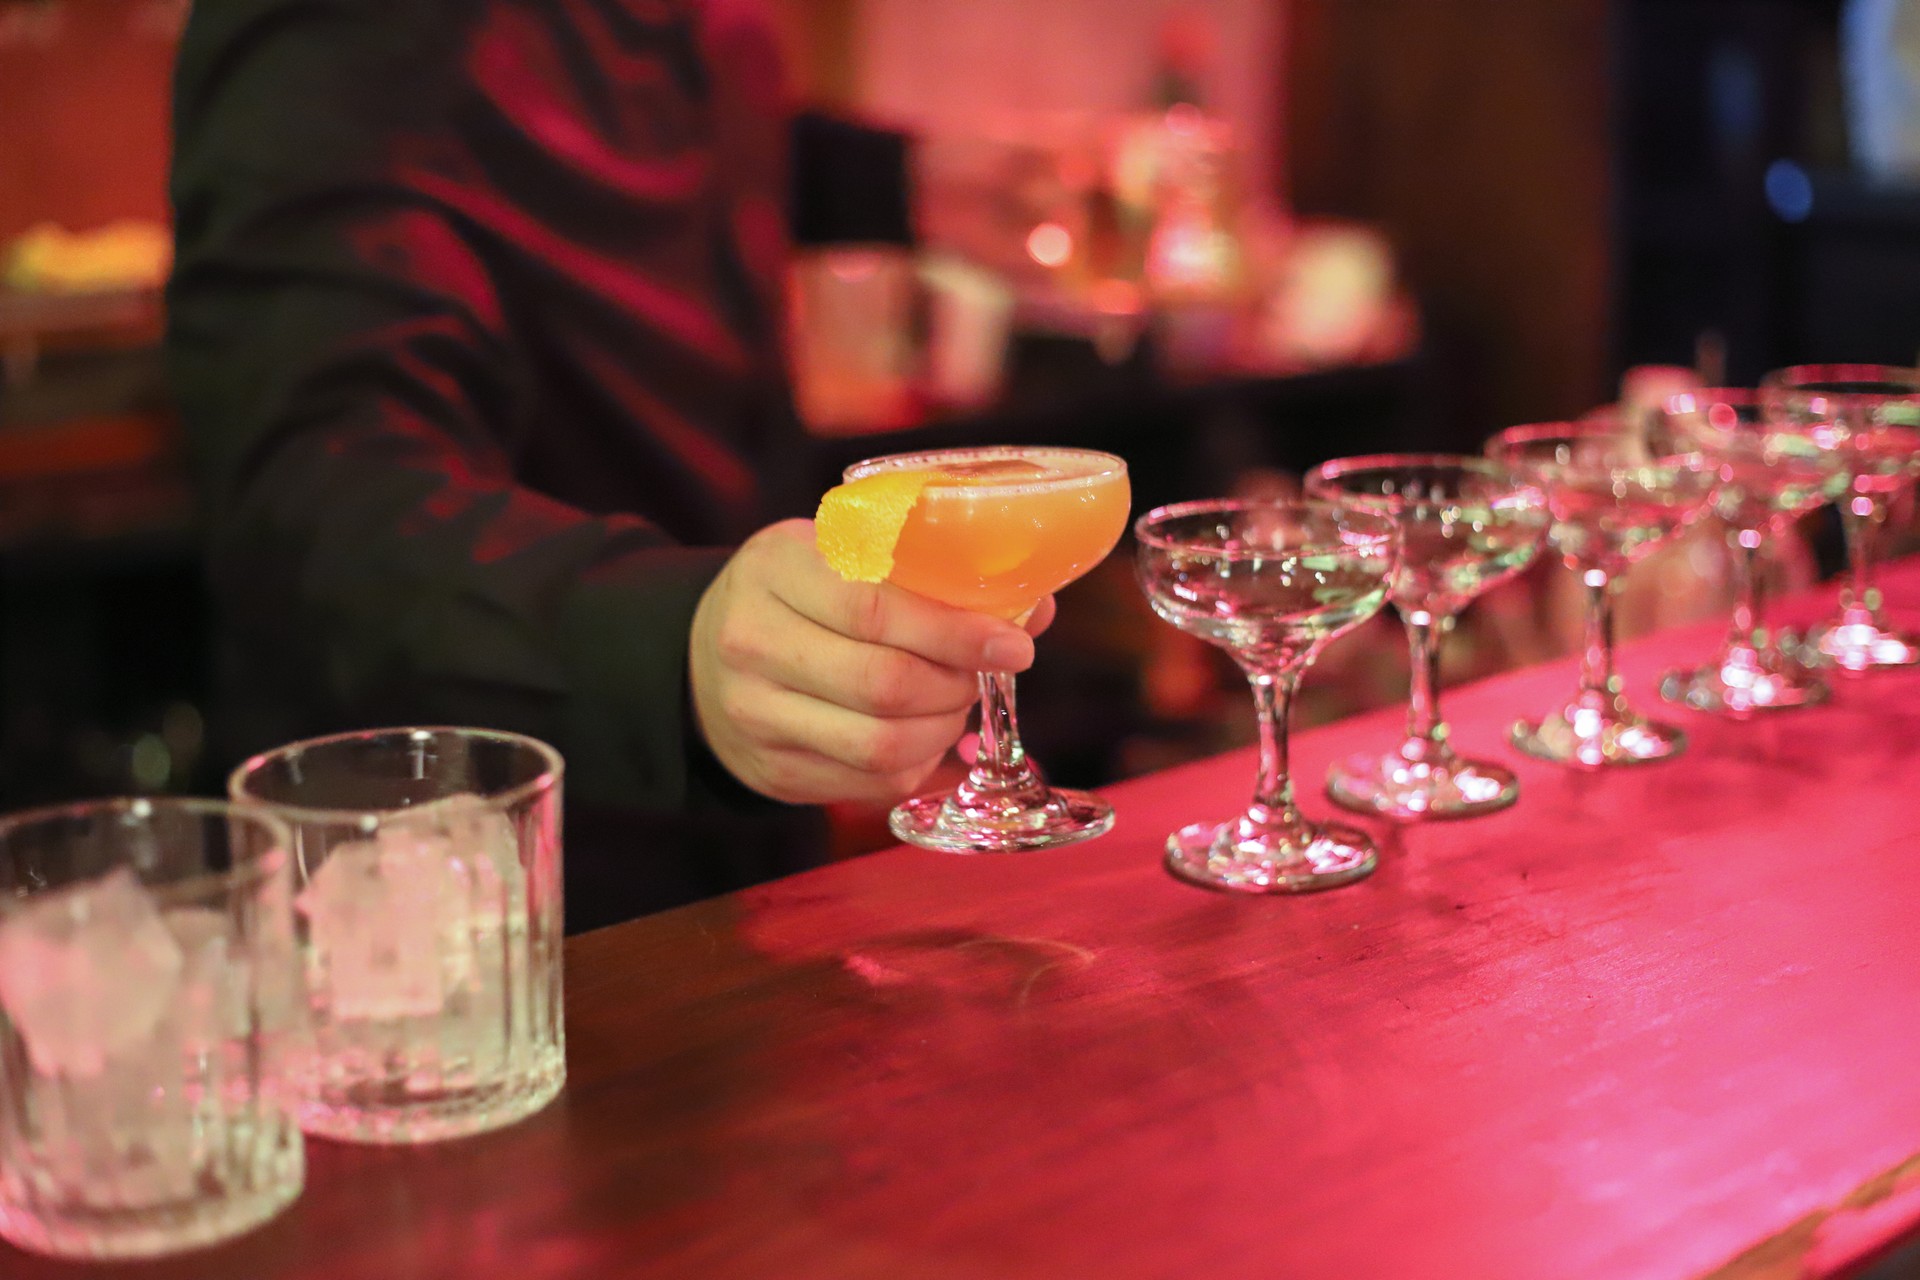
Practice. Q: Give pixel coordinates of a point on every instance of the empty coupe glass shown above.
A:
(1770, 474)
(1869, 415)
(1272, 584)
(1614, 495)
(1466, 525)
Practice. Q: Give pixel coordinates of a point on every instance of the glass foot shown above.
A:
(1218, 856)
(1585, 738)
(1397, 787)
(1745, 681)
(104, 1235)
(1062, 817)
(402, 1112)
(1862, 646)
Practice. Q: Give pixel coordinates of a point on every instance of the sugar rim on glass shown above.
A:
(1113, 468)
(254, 869)
(1387, 530)
(548, 779)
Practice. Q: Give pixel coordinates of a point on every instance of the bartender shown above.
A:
(476, 327)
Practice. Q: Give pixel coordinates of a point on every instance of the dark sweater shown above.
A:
(476, 329)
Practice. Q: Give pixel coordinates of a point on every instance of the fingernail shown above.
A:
(1006, 653)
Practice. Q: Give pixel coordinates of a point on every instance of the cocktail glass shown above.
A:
(1466, 525)
(1770, 474)
(1614, 494)
(429, 921)
(1869, 415)
(1272, 584)
(997, 531)
(149, 1017)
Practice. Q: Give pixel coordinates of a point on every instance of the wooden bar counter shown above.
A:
(1661, 1022)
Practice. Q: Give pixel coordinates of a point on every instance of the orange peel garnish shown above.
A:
(859, 523)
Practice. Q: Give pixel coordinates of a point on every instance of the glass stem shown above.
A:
(1273, 789)
(1598, 683)
(1001, 763)
(1745, 544)
(1860, 522)
(1426, 731)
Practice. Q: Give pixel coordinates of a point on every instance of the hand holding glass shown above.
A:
(1272, 584)
(1466, 525)
(997, 530)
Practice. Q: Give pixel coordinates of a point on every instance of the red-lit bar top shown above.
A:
(1658, 1023)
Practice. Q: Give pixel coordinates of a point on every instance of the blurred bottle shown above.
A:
(1193, 252)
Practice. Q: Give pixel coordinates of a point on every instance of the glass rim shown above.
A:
(305, 814)
(1746, 396)
(1114, 466)
(1808, 379)
(1472, 463)
(1388, 529)
(1562, 429)
(1535, 432)
(257, 867)
(1695, 408)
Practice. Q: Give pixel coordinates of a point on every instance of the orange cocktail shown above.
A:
(995, 530)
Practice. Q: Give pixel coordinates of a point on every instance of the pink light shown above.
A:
(853, 267)
(1050, 244)
(1185, 119)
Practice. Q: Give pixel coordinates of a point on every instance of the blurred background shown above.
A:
(1227, 239)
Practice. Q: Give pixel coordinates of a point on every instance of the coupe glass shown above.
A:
(149, 1026)
(996, 532)
(429, 918)
(1770, 474)
(1869, 415)
(1614, 494)
(1466, 525)
(1272, 584)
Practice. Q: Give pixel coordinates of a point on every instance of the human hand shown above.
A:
(812, 689)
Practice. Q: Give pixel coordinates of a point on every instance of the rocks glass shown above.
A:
(429, 920)
(1869, 416)
(1272, 584)
(1614, 495)
(1770, 474)
(148, 1005)
(1466, 525)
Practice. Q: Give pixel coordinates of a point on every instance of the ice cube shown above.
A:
(484, 939)
(484, 901)
(375, 910)
(490, 883)
(87, 972)
(215, 1003)
(122, 1139)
